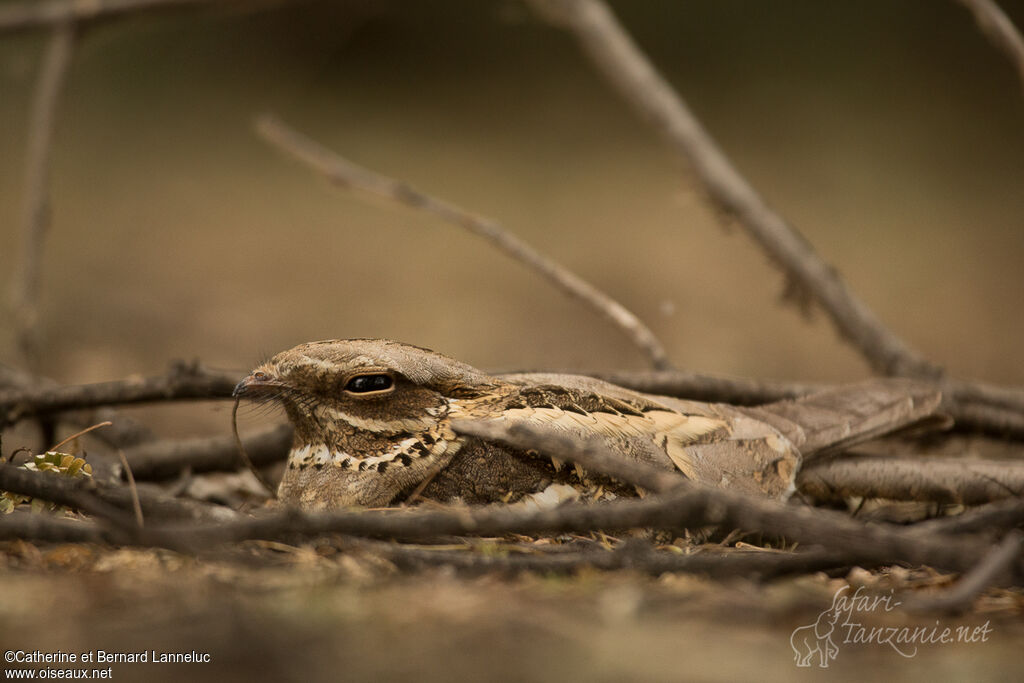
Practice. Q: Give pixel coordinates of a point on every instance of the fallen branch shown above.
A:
(34, 527)
(618, 58)
(347, 174)
(76, 493)
(35, 221)
(183, 382)
(125, 431)
(999, 30)
(686, 505)
(165, 459)
(691, 507)
(974, 407)
(993, 517)
(940, 480)
(106, 501)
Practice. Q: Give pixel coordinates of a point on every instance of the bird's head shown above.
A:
(361, 407)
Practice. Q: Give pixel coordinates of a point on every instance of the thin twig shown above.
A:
(125, 431)
(961, 596)
(615, 54)
(973, 406)
(80, 433)
(166, 459)
(687, 507)
(108, 501)
(998, 516)
(940, 480)
(349, 175)
(999, 30)
(73, 493)
(183, 382)
(35, 220)
(133, 488)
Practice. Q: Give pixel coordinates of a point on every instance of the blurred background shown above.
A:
(890, 133)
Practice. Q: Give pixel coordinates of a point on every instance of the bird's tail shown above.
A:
(838, 418)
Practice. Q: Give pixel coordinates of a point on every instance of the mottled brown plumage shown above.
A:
(372, 422)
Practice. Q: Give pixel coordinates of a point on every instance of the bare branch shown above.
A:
(108, 502)
(349, 175)
(73, 493)
(52, 529)
(615, 54)
(183, 382)
(999, 30)
(998, 516)
(974, 406)
(940, 480)
(714, 388)
(158, 460)
(688, 507)
(35, 220)
(125, 431)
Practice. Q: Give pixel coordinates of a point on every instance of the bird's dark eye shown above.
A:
(366, 383)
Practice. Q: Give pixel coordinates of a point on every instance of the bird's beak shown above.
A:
(242, 386)
(251, 384)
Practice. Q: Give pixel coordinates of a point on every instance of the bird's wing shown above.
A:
(712, 444)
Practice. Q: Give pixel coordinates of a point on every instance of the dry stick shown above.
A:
(615, 54)
(687, 507)
(80, 433)
(134, 489)
(244, 456)
(35, 220)
(108, 501)
(125, 431)
(973, 407)
(941, 480)
(165, 459)
(183, 382)
(701, 387)
(73, 493)
(349, 175)
(999, 30)
(998, 516)
(50, 529)
(961, 596)
(684, 505)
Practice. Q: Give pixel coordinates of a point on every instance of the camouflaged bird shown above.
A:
(373, 422)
